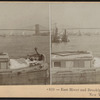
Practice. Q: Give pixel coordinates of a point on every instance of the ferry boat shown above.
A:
(30, 70)
(73, 67)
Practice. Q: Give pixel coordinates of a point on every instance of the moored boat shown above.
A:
(73, 67)
(30, 70)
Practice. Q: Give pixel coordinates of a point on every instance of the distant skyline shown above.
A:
(76, 15)
(23, 15)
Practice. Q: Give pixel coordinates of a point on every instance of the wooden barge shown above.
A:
(74, 67)
(34, 71)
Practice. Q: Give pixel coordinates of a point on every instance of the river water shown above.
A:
(20, 46)
(88, 43)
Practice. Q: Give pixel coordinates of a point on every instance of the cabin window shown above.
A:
(87, 64)
(69, 64)
(3, 65)
(75, 64)
(81, 64)
(78, 64)
(57, 64)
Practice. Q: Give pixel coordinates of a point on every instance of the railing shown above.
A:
(27, 78)
(87, 76)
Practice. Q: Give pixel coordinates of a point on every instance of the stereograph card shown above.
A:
(50, 49)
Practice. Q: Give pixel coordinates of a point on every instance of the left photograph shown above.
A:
(24, 43)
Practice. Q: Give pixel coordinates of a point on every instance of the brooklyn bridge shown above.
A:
(36, 29)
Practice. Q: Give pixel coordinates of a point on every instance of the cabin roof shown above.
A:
(72, 55)
(3, 55)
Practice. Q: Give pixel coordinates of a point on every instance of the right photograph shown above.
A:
(75, 43)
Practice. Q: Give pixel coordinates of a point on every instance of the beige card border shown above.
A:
(80, 91)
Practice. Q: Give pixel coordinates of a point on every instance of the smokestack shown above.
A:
(37, 31)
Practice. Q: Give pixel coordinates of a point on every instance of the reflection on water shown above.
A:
(87, 43)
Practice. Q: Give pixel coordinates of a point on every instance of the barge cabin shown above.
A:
(72, 60)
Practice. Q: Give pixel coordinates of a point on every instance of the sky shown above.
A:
(23, 15)
(71, 15)
(76, 15)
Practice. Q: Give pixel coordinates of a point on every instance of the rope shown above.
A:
(71, 53)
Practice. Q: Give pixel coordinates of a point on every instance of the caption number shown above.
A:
(51, 89)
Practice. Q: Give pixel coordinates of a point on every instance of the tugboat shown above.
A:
(73, 67)
(30, 70)
(57, 37)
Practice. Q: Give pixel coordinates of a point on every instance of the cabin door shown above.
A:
(79, 64)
